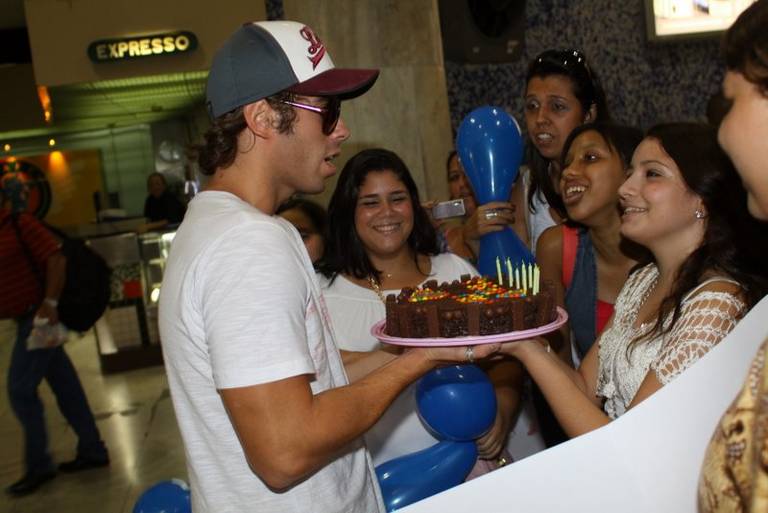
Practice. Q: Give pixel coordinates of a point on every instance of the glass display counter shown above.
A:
(127, 334)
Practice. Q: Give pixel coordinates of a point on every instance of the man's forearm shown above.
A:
(359, 364)
(288, 433)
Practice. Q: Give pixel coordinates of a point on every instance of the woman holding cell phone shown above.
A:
(463, 239)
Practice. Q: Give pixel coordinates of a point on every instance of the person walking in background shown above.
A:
(734, 475)
(23, 299)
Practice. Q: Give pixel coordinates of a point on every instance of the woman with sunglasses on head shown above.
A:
(683, 201)
(380, 240)
(561, 93)
(587, 258)
(734, 476)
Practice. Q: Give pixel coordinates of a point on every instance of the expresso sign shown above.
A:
(110, 50)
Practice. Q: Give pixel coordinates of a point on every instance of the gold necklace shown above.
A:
(376, 288)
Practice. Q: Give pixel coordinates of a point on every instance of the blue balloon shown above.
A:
(419, 475)
(456, 403)
(490, 148)
(165, 497)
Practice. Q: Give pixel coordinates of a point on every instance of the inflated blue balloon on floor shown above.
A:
(170, 496)
(456, 402)
(419, 475)
(490, 148)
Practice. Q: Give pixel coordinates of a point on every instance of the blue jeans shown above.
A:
(27, 370)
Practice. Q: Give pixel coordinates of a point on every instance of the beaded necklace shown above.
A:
(376, 288)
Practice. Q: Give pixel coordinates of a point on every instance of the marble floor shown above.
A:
(134, 413)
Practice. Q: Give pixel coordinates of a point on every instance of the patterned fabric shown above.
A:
(734, 476)
(705, 319)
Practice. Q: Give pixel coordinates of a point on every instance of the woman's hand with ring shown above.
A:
(490, 217)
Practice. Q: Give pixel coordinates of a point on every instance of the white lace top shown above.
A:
(704, 320)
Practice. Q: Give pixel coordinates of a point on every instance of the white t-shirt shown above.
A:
(241, 306)
(353, 310)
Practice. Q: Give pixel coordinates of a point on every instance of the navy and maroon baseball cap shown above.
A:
(263, 58)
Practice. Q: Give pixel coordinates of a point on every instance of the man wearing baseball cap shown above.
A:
(269, 419)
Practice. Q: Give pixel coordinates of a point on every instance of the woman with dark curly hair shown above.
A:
(380, 240)
(683, 201)
(734, 477)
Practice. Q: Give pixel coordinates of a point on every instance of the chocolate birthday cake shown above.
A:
(470, 307)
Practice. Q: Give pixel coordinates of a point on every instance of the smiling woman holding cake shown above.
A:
(380, 240)
(683, 201)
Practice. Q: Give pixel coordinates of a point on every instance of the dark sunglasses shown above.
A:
(330, 113)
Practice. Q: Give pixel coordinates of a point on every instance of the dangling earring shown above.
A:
(700, 214)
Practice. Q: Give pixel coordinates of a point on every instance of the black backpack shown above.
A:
(86, 291)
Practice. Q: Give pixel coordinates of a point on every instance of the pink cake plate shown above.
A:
(377, 330)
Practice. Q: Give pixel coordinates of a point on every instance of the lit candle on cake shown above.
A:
(509, 272)
(530, 275)
(525, 281)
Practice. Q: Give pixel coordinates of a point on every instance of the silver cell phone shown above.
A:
(450, 208)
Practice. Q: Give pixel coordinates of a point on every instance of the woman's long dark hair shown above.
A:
(345, 252)
(734, 243)
(571, 64)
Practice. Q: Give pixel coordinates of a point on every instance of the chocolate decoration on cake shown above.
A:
(470, 307)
